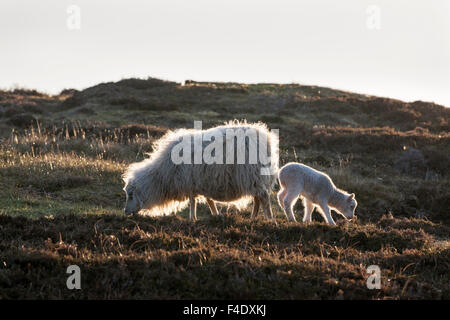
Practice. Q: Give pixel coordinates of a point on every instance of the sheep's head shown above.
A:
(133, 202)
(350, 206)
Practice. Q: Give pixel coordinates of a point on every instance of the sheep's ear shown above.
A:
(351, 197)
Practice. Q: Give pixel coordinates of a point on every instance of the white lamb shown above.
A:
(317, 189)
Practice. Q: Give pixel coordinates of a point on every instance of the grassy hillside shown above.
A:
(61, 196)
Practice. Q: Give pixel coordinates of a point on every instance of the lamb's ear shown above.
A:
(351, 197)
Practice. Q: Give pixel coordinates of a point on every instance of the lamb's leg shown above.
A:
(309, 208)
(289, 201)
(265, 202)
(256, 203)
(212, 206)
(327, 213)
(193, 208)
(281, 194)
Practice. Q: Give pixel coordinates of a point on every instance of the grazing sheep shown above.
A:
(162, 184)
(317, 189)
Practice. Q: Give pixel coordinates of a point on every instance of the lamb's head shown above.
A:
(348, 206)
(133, 201)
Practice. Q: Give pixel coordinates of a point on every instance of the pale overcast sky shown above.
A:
(393, 48)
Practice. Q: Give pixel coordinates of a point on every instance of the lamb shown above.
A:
(160, 185)
(317, 189)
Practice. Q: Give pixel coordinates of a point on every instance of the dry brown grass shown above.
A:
(61, 196)
(219, 258)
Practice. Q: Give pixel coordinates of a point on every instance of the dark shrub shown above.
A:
(13, 110)
(141, 84)
(68, 92)
(438, 161)
(26, 92)
(133, 103)
(411, 162)
(402, 115)
(381, 105)
(22, 120)
(74, 101)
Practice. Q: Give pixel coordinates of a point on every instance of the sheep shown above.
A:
(168, 180)
(317, 189)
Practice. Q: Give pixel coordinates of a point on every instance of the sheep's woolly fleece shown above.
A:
(164, 187)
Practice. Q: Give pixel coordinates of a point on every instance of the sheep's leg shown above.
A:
(309, 208)
(289, 201)
(327, 214)
(265, 202)
(281, 194)
(263, 205)
(212, 206)
(256, 203)
(193, 208)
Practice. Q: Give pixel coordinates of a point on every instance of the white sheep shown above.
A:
(162, 185)
(317, 189)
